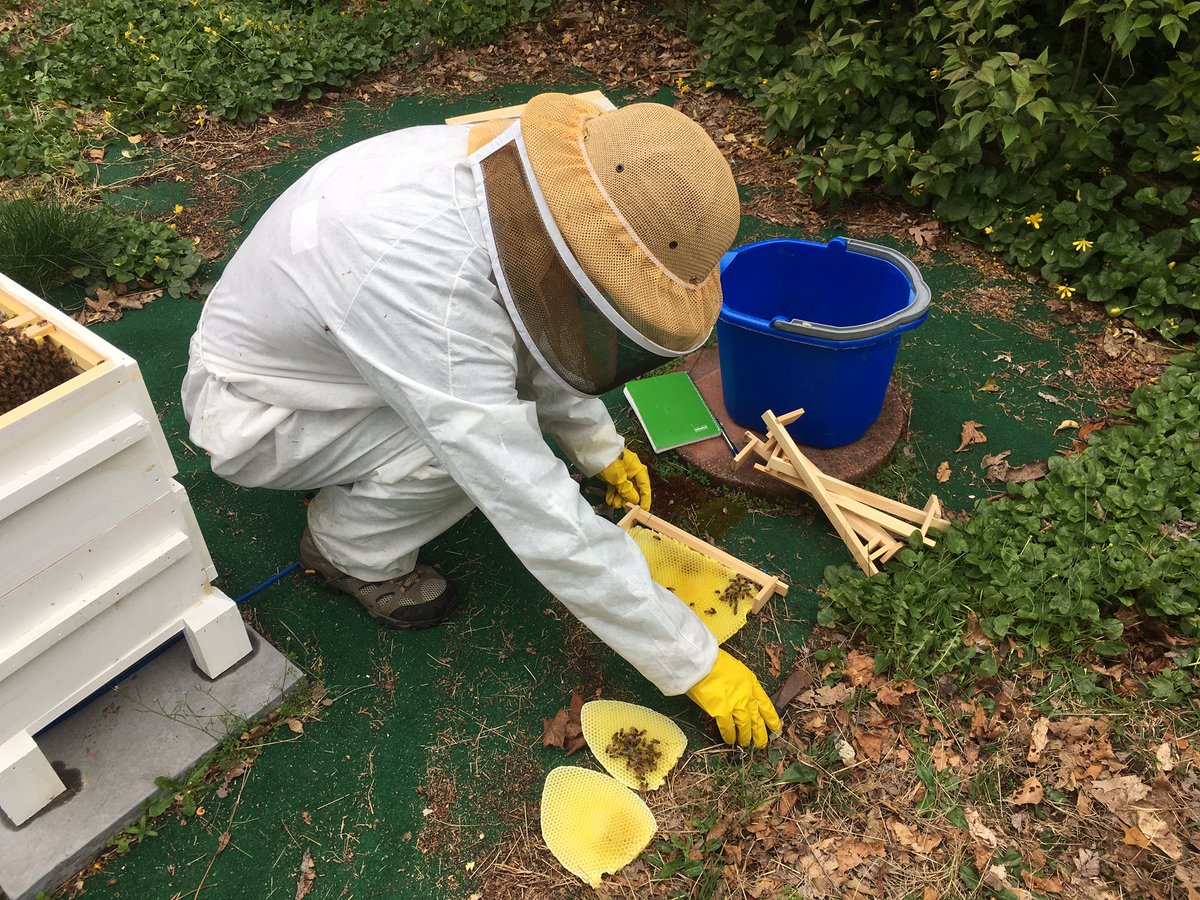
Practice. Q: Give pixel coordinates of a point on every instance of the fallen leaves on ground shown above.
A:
(308, 874)
(110, 304)
(943, 472)
(971, 434)
(564, 730)
(998, 469)
(879, 788)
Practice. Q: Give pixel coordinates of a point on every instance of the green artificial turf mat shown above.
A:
(432, 745)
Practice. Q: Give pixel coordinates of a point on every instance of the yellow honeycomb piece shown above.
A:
(592, 824)
(695, 579)
(601, 719)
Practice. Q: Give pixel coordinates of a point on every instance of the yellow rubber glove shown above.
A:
(628, 482)
(731, 694)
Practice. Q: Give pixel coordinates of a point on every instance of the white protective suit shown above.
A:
(357, 343)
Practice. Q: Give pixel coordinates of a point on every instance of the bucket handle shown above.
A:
(910, 313)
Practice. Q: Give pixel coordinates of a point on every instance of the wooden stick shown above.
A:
(868, 529)
(933, 506)
(807, 472)
(862, 495)
(767, 449)
(748, 448)
(862, 511)
(788, 418)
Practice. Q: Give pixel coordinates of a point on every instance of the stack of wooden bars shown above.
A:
(874, 528)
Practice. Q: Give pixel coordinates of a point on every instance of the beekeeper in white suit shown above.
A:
(407, 320)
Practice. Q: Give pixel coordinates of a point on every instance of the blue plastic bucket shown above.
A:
(814, 326)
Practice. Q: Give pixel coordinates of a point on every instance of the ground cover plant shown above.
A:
(44, 243)
(81, 75)
(1065, 136)
(1054, 574)
(74, 70)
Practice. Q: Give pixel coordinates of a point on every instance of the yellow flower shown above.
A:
(1082, 245)
(1171, 264)
(1105, 170)
(1115, 310)
(154, 56)
(1064, 291)
(108, 115)
(916, 189)
(157, 258)
(178, 208)
(1196, 154)
(1035, 220)
(762, 81)
(171, 225)
(207, 30)
(988, 230)
(708, 84)
(935, 72)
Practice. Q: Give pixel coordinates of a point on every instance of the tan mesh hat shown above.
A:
(646, 206)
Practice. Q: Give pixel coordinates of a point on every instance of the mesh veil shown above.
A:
(565, 320)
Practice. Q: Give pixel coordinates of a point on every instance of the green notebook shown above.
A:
(671, 410)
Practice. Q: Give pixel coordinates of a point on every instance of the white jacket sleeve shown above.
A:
(450, 370)
(580, 425)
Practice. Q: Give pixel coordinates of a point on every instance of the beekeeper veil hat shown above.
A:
(605, 229)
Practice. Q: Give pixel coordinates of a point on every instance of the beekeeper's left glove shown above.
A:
(628, 482)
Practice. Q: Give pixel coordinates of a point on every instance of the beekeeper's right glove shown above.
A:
(628, 482)
(731, 694)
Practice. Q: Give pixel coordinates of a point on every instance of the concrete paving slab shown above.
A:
(158, 722)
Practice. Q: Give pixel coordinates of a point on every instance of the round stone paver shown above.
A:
(852, 462)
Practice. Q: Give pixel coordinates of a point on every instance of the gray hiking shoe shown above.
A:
(417, 600)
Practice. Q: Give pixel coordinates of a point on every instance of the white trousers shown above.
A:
(382, 495)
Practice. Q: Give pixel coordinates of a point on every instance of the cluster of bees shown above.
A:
(28, 368)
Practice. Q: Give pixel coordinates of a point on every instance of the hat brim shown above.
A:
(553, 128)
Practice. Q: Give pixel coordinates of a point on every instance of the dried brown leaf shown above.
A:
(295, 725)
(1134, 837)
(943, 472)
(773, 652)
(1030, 793)
(980, 831)
(859, 668)
(1189, 877)
(793, 686)
(892, 692)
(1037, 740)
(308, 874)
(554, 731)
(912, 839)
(1031, 471)
(971, 435)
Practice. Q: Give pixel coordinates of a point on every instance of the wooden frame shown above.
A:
(767, 584)
(88, 362)
(512, 112)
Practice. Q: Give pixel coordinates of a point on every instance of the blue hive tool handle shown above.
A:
(911, 313)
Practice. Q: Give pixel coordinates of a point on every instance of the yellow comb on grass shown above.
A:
(637, 746)
(592, 824)
(716, 593)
